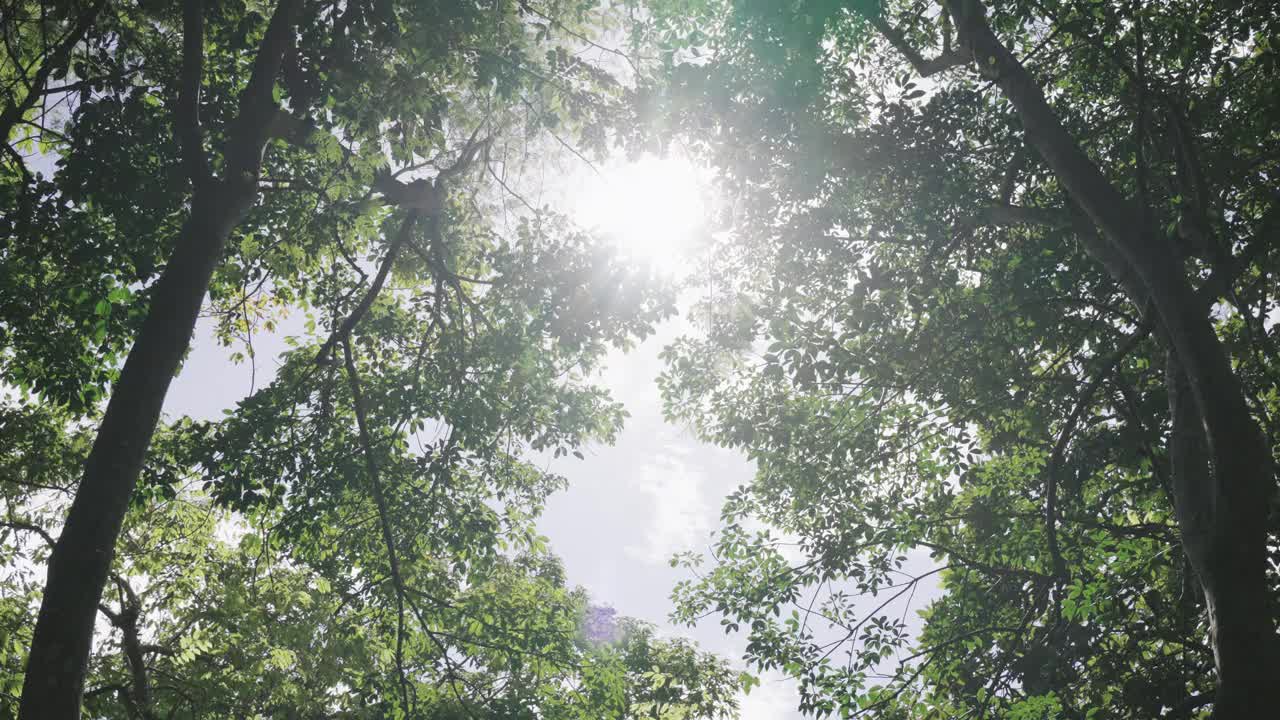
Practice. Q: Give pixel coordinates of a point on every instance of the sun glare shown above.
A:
(654, 208)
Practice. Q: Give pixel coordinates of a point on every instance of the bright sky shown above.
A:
(653, 208)
(631, 506)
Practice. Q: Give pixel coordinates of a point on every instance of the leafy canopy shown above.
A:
(945, 395)
(357, 537)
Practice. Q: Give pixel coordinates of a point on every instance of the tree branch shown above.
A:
(925, 67)
(139, 690)
(384, 519)
(55, 60)
(1112, 261)
(257, 101)
(343, 331)
(1194, 501)
(1022, 215)
(187, 113)
(29, 527)
(1242, 484)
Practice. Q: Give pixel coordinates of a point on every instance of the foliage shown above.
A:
(355, 539)
(906, 334)
(962, 376)
(234, 618)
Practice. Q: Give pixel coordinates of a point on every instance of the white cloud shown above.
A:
(775, 698)
(681, 518)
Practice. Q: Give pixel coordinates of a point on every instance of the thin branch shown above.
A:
(87, 83)
(384, 519)
(580, 37)
(1191, 704)
(17, 524)
(958, 638)
(349, 324)
(1021, 215)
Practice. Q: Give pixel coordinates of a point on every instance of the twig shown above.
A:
(384, 520)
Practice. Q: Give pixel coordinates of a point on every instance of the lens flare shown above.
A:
(653, 208)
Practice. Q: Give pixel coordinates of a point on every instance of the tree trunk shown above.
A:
(81, 559)
(1232, 564)
(1224, 557)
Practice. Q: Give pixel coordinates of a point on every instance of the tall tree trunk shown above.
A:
(1235, 597)
(1232, 563)
(81, 559)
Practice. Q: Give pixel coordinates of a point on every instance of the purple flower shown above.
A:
(599, 626)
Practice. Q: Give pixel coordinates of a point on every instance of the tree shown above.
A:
(213, 614)
(251, 154)
(1000, 289)
(40, 39)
